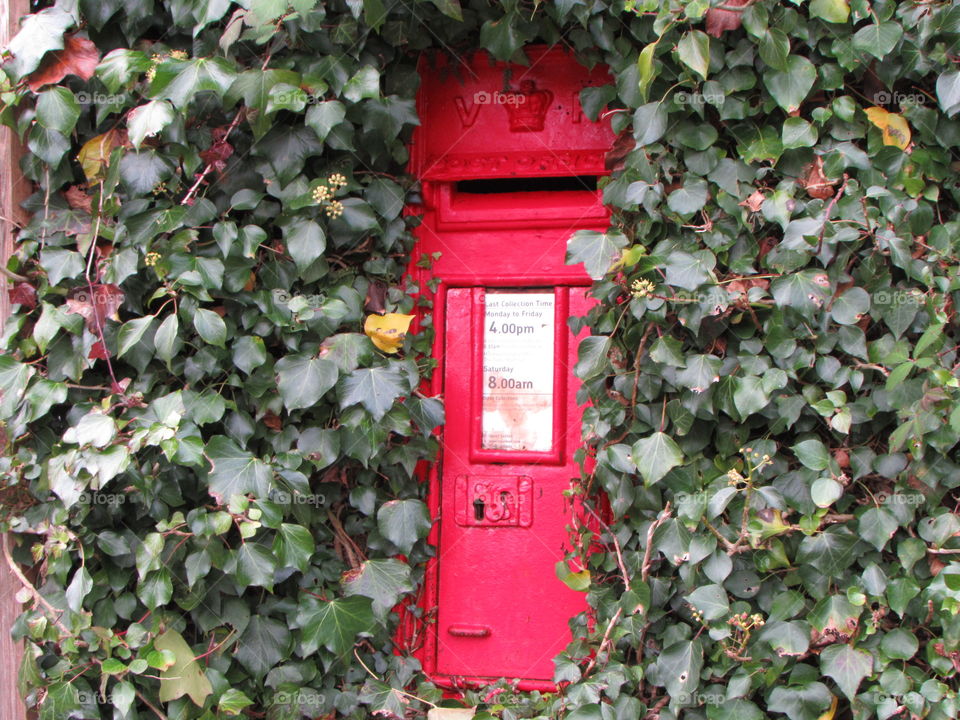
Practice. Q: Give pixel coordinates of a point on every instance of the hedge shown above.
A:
(211, 452)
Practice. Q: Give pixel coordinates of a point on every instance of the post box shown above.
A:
(509, 165)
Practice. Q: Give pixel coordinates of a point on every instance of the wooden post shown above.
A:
(13, 190)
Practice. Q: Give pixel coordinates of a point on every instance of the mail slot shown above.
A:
(508, 165)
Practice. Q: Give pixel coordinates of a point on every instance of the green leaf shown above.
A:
(790, 86)
(334, 624)
(79, 587)
(694, 51)
(501, 38)
(255, 565)
(878, 40)
(294, 546)
(847, 666)
(131, 332)
(877, 526)
(210, 327)
(597, 251)
(645, 68)
(94, 429)
(383, 581)
(325, 116)
(655, 456)
(831, 551)
(167, 338)
(689, 270)
(120, 66)
(649, 123)
(813, 454)
(264, 644)
(186, 676)
(234, 471)
(149, 119)
(233, 701)
(700, 373)
(689, 197)
(798, 133)
(365, 83)
(303, 380)
(679, 667)
(404, 522)
(800, 702)
(450, 8)
(948, 92)
(14, 377)
(711, 601)
(39, 33)
(305, 241)
(180, 80)
(578, 581)
(774, 48)
(833, 11)
(375, 388)
(899, 644)
(592, 357)
(848, 308)
(58, 109)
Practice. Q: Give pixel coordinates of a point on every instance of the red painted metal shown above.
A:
(491, 605)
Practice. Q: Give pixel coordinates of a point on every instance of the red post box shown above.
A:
(508, 164)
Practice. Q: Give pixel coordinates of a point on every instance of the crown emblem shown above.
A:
(527, 107)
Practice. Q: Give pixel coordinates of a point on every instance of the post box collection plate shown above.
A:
(518, 355)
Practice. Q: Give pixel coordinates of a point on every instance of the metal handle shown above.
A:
(476, 631)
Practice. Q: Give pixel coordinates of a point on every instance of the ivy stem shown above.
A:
(54, 613)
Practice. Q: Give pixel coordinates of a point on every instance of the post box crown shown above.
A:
(485, 119)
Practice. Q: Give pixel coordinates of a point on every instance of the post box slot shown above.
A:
(575, 183)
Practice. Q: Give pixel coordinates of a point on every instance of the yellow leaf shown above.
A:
(186, 676)
(894, 127)
(94, 156)
(828, 715)
(387, 331)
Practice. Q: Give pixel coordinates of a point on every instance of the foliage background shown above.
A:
(207, 457)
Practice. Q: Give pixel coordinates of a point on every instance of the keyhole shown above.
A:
(478, 510)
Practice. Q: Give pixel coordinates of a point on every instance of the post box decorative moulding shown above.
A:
(508, 163)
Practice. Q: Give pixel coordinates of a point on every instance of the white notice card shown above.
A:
(518, 342)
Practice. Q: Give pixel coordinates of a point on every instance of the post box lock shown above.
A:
(494, 501)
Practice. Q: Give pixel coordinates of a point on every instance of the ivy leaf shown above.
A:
(388, 702)
(597, 251)
(149, 119)
(58, 109)
(403, 522)
(501, 38)
(235, 471)
(831, 551)
(813, 454)
(383, 581)
(78, 57)
(592, 356)
(264, 644)
(711, 601)
(877, 526)
(375, 388)
(40, 32)
(450, 8)
(878, 40)
(210, 326)
(180, 80)
(833, 11)
(689, 270)
(131, 332)
(365, 83)
(801, 702)
(294, 546)
(334, 624)
(790, 86)
(948, 92)
(847, 666)
(325, 116)
(645, 68)
(700, 373)
(649, 123)
(655, 456)
(679, 665)
(255, 565)
(185, 676)
(303, 380)
(694, 51)
(387, 331)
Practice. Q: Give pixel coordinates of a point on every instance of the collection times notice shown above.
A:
(518, 341)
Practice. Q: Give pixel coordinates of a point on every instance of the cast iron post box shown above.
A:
(508, 164)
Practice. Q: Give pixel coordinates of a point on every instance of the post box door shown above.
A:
(512, 428)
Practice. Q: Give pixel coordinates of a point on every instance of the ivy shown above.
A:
(211, 420)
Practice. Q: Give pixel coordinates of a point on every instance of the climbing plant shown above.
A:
(211, 415)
